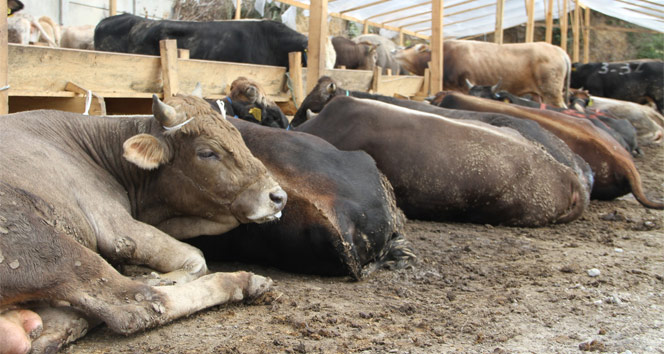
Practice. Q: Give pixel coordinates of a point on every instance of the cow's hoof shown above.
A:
(258, 285)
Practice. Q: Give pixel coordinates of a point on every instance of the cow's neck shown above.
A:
(100, 140)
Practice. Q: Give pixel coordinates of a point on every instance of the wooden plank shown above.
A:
(317, 40)
(112, 7)
(563, 27)
(530, 23)
(183, 54)
(39, 71)
(295, 73)
(586, 36)
(168, 49)
(357, 80)
(406, 86)
(548, 36)
(500, 13)
(436, 64)
(575, 32)
(238, 8)
(4, 67)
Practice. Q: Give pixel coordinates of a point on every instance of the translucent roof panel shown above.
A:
(463, 18)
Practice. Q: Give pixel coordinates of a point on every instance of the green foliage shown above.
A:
(649, 46)
(354, 29)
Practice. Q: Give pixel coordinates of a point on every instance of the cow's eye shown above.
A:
(207, 154)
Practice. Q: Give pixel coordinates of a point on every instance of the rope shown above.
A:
(88, 102)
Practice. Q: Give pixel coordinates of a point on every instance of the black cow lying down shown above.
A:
(327, 88)
(242, 41)
(341, 217)
(445, 169)
(78, 192)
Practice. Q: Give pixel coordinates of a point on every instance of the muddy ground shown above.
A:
(474, 289)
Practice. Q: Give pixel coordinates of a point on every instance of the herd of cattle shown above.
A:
(327, 192)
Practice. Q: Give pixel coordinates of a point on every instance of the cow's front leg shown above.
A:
(216, 288)
(137, 243)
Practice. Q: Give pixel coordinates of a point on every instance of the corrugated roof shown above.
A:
(463, 18)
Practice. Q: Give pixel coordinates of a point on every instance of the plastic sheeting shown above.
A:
(463, 18)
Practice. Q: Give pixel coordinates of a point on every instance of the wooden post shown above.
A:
(375, 80)
(183, 54)
(530, 25)
(549, 22)
(401, 37)
(388, 72)
(112, 7)
(563, 27)
(317, 38)
(500, 10)
(238, 7)
(586, 36)
(575, 32)
(168, 50)
(365, 30)
(4, 59)
(295, 73)
(436, 64)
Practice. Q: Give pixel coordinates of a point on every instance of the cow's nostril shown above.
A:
(279, 197)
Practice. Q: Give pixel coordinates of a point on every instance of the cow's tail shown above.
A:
(568, 78)
(636, 185)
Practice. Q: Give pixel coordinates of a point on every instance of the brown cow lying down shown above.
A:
(538, 69)
(326, 88)
(341, 217)
(615, 172)
(445, 169)
(78, 192)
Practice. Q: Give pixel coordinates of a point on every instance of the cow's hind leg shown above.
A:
(16, 329)
(62, 325)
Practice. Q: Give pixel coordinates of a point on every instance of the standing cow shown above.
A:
(74, 189)
(384, 49)
(246, 41)
(539, 69)
(638, 81)
(351, 55)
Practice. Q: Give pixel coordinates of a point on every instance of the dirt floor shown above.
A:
(474, 289)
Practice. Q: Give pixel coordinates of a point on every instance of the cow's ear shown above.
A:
(331, 87)
(145, 151)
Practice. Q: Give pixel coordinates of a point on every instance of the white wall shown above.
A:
(90, 12)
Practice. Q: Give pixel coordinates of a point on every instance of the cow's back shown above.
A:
(112, 33)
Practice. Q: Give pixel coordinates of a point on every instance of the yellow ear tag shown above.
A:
(506, 100)
(573, 69)
(257, 113)
(590, 102)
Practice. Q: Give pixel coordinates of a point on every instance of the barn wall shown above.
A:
(90, 12)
